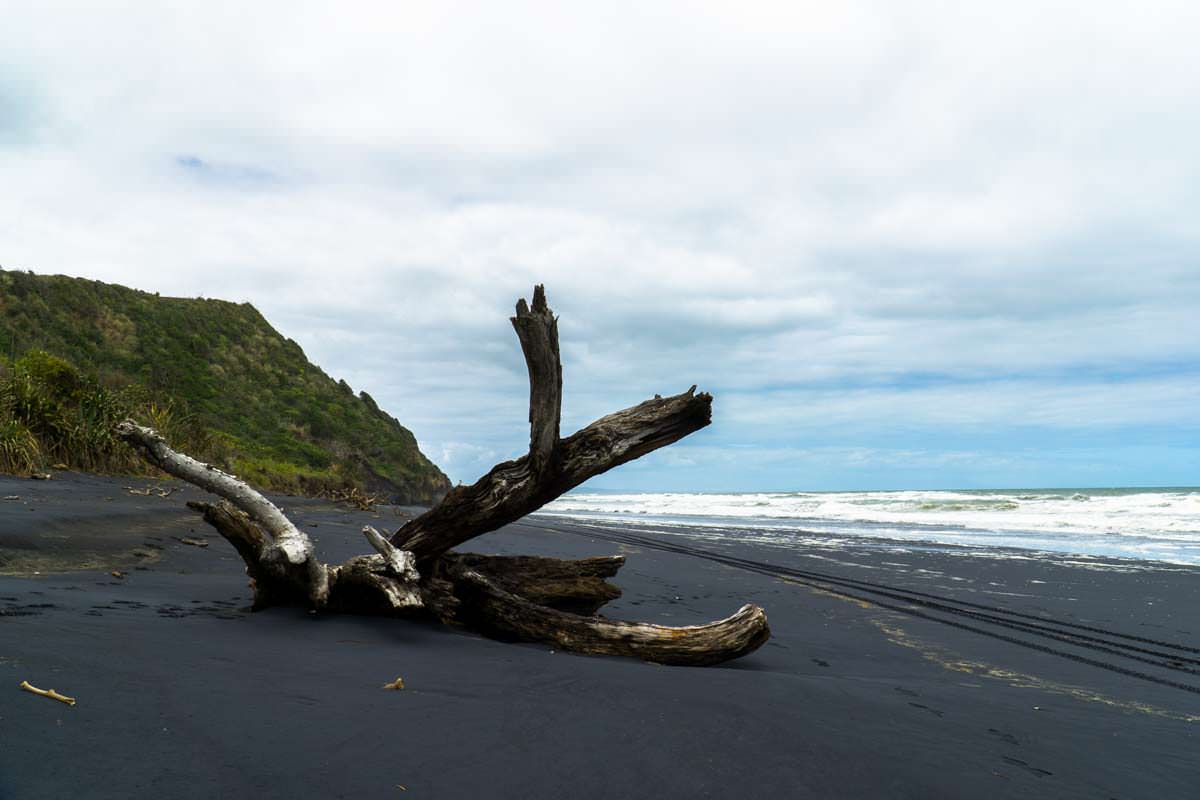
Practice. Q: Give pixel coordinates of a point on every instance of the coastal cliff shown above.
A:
(76, 353)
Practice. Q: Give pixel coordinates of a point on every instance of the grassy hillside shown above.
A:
(213, 373)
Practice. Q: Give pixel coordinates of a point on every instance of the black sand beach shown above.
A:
(183, 694)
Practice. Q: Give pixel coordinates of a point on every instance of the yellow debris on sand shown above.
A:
(53, 695)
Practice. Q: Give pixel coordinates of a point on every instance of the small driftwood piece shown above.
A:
(355, 497)
(415, 571)
(149, 490)
(193, 542)
(52, 694)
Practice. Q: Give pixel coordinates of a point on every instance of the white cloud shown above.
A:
(765, 200)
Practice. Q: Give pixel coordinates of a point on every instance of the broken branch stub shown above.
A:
(401, 562)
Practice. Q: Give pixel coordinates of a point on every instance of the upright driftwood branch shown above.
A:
(537, 329)
(515, 597)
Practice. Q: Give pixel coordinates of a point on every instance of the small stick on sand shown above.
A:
(53, 695)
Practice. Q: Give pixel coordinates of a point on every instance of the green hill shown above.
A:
(213, 375)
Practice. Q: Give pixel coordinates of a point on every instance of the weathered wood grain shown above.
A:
(537, 328)
(289, 550)
(578, 587)
(497, 612)
(513, 489)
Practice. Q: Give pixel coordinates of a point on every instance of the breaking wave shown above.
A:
(1158, 524)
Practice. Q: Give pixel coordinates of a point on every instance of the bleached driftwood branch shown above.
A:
(288, 551)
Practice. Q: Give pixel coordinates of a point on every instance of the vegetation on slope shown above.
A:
(79, 354)
(51, 413)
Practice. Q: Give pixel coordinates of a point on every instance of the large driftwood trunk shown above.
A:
(416, 572)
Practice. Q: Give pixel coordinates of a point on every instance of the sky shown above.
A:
(904, 244)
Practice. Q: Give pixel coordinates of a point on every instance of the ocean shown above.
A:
(1160, 524)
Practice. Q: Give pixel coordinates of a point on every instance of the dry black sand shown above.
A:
(183, 694)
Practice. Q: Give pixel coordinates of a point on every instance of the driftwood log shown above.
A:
(416, 571)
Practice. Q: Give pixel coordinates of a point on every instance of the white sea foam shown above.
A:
(1157, 524)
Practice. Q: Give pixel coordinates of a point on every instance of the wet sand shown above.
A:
(182, 693)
